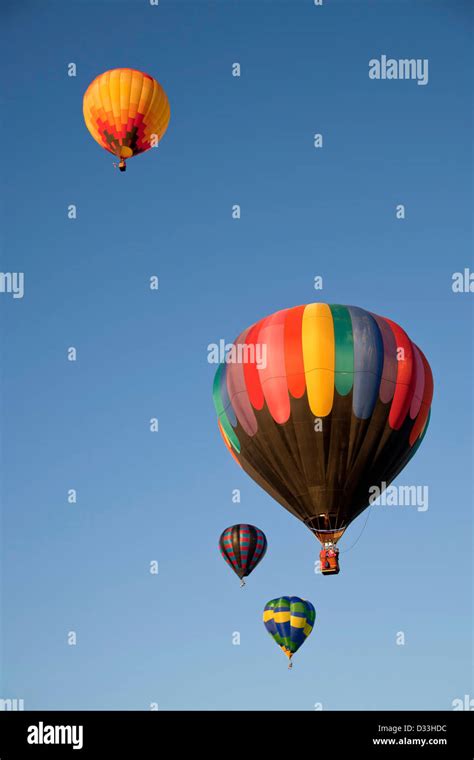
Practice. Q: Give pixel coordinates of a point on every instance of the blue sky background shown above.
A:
(167, 496)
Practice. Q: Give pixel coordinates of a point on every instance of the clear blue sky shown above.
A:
(167, 496)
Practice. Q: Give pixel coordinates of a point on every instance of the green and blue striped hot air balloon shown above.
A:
(289, 620)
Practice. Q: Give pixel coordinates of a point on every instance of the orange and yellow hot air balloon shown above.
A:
(126, 111)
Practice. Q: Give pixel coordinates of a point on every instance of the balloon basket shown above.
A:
(332, 571)
(329, 561)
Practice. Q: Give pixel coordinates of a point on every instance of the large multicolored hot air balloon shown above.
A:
(243, 546)
(289, 620)
(126, 112)
(319, 404)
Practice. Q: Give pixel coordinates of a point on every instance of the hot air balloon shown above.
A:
(289, 620)
(319, 404)
(243, 547)
(126, 112)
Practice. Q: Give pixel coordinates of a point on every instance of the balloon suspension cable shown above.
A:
(369, 510)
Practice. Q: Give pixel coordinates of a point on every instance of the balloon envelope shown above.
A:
(289, 620)
(243, 547)
(126, 111)
(321, 403)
